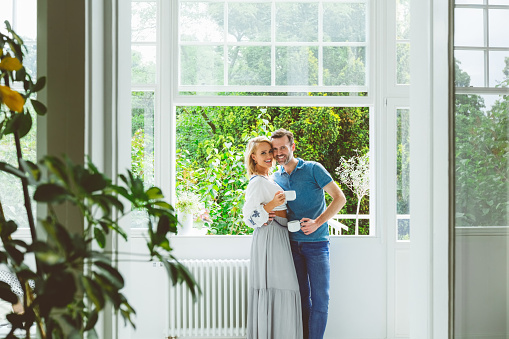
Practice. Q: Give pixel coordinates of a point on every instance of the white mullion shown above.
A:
(143, 43)
(320, 43)
(487, 47)
(474, 48)
(225, 45)
(175, 54)
(273, 44)
(287, 101)
(14, 23)
(278, 44)
(482, 90)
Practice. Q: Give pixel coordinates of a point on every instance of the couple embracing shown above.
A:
(289, 273)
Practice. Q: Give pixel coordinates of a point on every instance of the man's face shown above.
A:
(283, 150)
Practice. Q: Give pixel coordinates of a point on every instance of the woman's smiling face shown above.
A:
(263, 155)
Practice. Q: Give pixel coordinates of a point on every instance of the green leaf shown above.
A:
(21, 74)
(94, 292)
(111, 274)
(59, 234)
(32, 169)
(57, 167)
(100, 237)
(50, 193)
(46, 254)
(6, 293)
(154, 193)
(163, 226)
(93, 182)
(41, 82)
(163, 204)
(3, 257)
(91, 322)
(7, 168)
(21, 123)
(16, 255)
(39, 107)
(7, 228)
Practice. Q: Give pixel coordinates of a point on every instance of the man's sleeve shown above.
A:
(321, 175)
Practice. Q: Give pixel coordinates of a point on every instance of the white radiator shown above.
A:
(220, 311)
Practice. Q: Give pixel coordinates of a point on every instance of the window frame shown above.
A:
(486, 49)
(168, 98)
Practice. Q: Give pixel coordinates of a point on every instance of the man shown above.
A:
(310, 245)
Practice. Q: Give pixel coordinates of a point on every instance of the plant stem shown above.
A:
(28, 203)
(357, 216)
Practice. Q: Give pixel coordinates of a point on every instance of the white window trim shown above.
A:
(382, 86)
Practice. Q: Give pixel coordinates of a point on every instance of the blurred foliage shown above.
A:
(71, 283)
(482, 157)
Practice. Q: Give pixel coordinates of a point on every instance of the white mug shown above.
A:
(290, 195)
(294, 225)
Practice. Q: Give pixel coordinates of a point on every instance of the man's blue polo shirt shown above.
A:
(308, 180)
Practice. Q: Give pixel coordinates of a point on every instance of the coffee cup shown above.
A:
(290, 195)
(294, 225)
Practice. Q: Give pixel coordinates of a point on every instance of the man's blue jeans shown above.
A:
(312, 265)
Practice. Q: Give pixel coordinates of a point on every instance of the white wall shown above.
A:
(482, 284)
(358, 283)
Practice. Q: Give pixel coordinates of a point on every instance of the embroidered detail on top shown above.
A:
(255, 214)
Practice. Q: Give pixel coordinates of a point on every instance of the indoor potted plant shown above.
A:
(188, 203)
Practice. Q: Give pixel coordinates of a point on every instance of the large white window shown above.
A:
(211, 59)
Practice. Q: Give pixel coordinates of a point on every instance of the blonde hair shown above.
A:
(251, 147)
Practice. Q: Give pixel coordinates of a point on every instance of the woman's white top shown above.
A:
(259, 191)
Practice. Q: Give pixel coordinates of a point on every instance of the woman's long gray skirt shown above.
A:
(274, 309)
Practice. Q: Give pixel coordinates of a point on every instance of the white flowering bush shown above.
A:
(354, 173)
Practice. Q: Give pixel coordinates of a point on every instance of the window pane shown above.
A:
(403, 63)
(11, 193)
(498, 2)
(481, 160)
(201, 65)
(297, 22)
(143, 61)
(30, 59)
(210, 150)
(403, 19)
(143, 21)
(5, 14)
(469, 27)
(26, 19)
(344, 66)
(344, 22)
(296, 66)
(142, 144)
(249, 22)
(498, 19)
(471, 62)
(403, 174)
(201, 21)
(249, 66)
(499, 69)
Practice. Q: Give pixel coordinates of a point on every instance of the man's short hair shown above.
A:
(282, 133)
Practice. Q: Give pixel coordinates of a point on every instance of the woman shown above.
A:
(274, 308)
